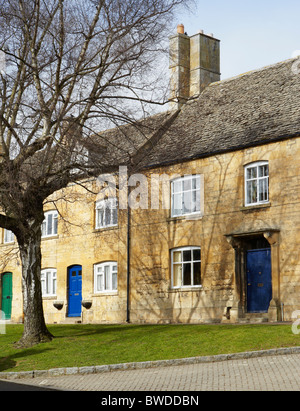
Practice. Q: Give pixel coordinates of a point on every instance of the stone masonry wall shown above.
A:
(154, 234)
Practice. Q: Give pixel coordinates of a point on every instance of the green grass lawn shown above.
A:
(84, 345)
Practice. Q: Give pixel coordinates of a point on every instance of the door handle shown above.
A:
(249, 283)
(8, 297)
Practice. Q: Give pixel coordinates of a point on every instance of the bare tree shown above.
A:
(68, 67)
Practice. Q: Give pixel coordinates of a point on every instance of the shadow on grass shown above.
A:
(70, 331)
(77, 330)
(10, 361)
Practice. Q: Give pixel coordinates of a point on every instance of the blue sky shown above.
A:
(253, 33)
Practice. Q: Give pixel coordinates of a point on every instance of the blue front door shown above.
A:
(75, 290)
(259, 280)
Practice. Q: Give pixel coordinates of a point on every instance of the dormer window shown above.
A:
(257, 183)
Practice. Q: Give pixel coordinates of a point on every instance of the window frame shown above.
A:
(54, 230)
(182, 262)
(196, 190)
(256, 179)
(108, 286)
(110, 204)
(52, 282)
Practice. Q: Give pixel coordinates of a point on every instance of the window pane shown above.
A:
(100, 213)
(195, 206)
(176, 186)
(187, 206)
(177, 256)
(177, 205)
(177, 275)
(187, 255)
(44, 232)
(48, 282)
(263, 189)
(107, 216)
(55, 224)
(43, 283)
(252, 192)
(49, 224)
(251, 172)
(54, 285)
(107, 277)
(100, 282)
(196, 255)
(115, 216)
(187, 184)
(196, 183)
(114, 280)
(186, 274)
(197, 273)
(263, 171)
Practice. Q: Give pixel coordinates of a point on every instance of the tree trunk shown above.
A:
(35, 330)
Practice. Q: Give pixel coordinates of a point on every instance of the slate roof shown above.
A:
(255, 108)
(251, 109)
(119, 145)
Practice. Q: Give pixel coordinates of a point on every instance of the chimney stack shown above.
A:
(194, 64)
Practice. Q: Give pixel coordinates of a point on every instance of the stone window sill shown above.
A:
(186, 289)
(187, 217)
(105, 294)
(255, 207)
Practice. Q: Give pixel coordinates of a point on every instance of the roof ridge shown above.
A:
(250, 72)
(238, 76)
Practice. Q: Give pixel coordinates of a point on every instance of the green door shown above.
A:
(6, 296)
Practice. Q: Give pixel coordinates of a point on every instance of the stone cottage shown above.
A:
(207, 226)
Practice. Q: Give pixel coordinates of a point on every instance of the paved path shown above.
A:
(270, 373)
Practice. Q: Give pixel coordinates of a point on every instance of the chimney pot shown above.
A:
(180, 29)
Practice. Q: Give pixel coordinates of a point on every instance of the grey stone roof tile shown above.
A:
(251, 109)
